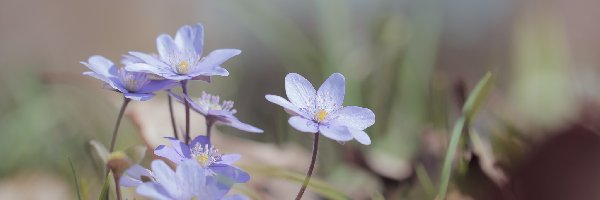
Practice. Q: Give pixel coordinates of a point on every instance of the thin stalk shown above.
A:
(209, 125)
(117, 185)
(116, 129)
(311, 167)
(187, 112)
(172, 117)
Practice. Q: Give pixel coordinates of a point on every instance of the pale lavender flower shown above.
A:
(133, 85)
(188, 181)
(202, 151)
(215, 111)
(181, 58)
(322, 110)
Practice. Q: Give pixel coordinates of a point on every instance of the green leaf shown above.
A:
(77, 186)
(472, 105)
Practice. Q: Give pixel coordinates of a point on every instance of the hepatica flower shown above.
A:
(188, 181)
(215, 111)
(322, 110)
(133, 85)
(206, 155)
(181, 58)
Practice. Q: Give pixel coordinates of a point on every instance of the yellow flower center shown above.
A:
(183, 67)
(320, 115)
(203, 159)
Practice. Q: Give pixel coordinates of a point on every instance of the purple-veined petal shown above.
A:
(101, 65)
(330, 95)
(158, 85)
(110, 81)
(153, 191)
(299, 91)
(354, 117)
(202, 140)
(229, 159)
(184, 40)
(215, 71)
(190, 178)
(337, 133)
(216, 187)
(138, 96)
(201, 110)
(165, 176)
(227, 174)
(181, 148)
(149, 59)
(304, 125)
(198, 38)
(360, 136)
(288, 106)
(149, 68)
(216, 58)
(169, 153)
(129, 59)
(166, 46)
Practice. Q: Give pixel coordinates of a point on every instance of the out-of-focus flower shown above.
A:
(133, 85)
(216, 111)
(181, 58)
(188, 181)
(322, 110)
(205, 154)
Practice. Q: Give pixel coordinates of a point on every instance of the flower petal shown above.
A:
(101, 65)
(303, 124)
(152, 69)
(191, 178)
(169, 153)
(360, 136)
(299, 91)
(354, 117)
(166, 46)
(199, 109)
(158, 85)
(202, 140)
(165, 176)
(190, 39)
(227, 174)
(337, 133)
(110, 81)
(149, 59)
(215, 59)
(331, 94)
(229, 159)
(133, 176)
(236, 123)
(153, 191)
(288, 106)
(138, 96)
(235, 197)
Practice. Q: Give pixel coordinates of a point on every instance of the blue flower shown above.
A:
(133, 85)
(322, 110)
(205, 154)
(188, 181)
(181, 58)
(216, 111)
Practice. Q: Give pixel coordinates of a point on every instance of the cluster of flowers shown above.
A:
(202, 172)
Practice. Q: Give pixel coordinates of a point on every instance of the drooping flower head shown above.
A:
(206, 155)
(322, 111)
(133, 85)
(187, 182)
(215, 111)
(181, 58)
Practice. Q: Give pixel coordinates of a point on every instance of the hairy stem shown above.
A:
(187, 112)
(209, 125)
(116, 129)
(311, 167)
(172, 117)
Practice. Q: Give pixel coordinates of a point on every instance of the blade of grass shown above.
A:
(104, 194)
(75, 178)
(316, 185)
(472, 105)
(425, 180)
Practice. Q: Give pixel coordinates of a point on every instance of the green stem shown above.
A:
(311, 167)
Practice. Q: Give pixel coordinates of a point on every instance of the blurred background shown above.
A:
(412, 62)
